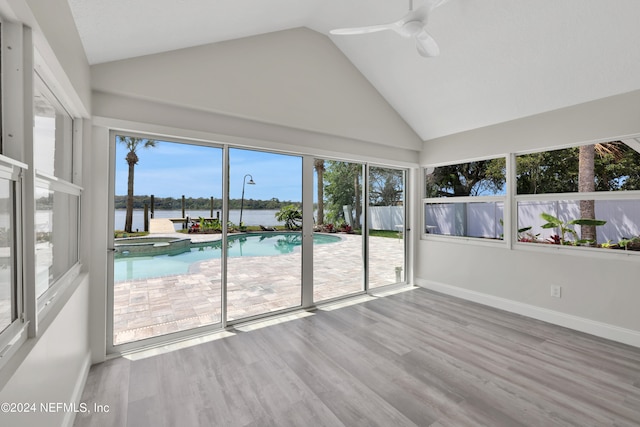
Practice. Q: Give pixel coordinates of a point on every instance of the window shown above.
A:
(37, 194)
(57, 199)
(11, 300)
(465, 199)
(12, 313)
(8, 284)
(580, 196)
(57, 218)
(52, 134)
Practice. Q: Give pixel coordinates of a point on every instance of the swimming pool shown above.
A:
(244, 245)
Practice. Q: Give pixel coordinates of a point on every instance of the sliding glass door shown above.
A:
(206, 236)
(167, 238)
(338, 257)
(386, 225)
(264, 265)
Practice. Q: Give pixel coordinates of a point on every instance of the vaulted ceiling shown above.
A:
(501, 59)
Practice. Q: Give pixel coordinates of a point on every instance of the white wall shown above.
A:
(602, 120)
(52, 367)
(58, 45)
(174, 121)
(600, 294)
(295, 78)
(55, 368)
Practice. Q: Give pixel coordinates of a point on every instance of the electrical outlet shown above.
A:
(556, 291)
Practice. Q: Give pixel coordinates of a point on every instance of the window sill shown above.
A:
(51, 302)
(476, 241)
(599, 253)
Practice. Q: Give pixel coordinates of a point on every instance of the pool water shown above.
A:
(245, 245)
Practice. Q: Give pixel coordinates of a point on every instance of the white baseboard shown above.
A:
(599, 329)
(78, 389)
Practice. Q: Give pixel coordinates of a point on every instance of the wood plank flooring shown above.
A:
(415, 358)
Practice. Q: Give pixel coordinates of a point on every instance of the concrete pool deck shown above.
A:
(156, 306)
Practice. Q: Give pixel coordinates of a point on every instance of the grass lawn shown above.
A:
(118, 234)
(382, 233)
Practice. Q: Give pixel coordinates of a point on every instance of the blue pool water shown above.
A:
(246, 245)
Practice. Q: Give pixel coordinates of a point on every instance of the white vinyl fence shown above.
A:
(381, 217)
(386, 217)
(622, 216)
(483, 219)
(465, 219)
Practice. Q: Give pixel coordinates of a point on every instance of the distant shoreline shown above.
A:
(264, 217)
(201, 203)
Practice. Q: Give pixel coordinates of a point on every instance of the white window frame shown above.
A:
(49, 182)
(506, 240)
(12, 337)
(45, 301)
(14, 36)
(511, 200)
(20, 63)
(633, 143)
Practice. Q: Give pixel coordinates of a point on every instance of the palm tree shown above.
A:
(357, 173)
(132, 144)
(587, 182)
(318, 164)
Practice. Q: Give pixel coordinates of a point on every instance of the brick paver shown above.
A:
(156, 306)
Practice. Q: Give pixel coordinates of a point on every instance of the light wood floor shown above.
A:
(416, 358)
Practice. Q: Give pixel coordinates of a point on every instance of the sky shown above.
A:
(171, 169)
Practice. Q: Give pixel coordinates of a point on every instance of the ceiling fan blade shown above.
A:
(426, 45)
(435, 3)
(410, 25)
(365, 30)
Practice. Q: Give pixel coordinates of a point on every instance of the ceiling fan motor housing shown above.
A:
(411, 29)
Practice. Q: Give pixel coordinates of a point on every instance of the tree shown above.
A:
(610, 153)
(132, 144)
(291, 216)
(356, 171)
(610, 166)
(587, 183)
(466, 179)
(547, 172)
(318, 164)
(385, 187)
(343, 188)
(558, 171)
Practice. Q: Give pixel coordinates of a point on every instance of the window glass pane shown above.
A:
(611, 166)
(56, 236)
(167, 267)
(465, 219)
(264, 268)
(338, 265)
(616, 224)
(7, 250)
(481, 178)
(52, 134)
(386, 226)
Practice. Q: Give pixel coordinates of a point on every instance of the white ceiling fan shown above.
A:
(412, 25)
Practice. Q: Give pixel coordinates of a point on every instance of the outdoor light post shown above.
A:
(244, 181)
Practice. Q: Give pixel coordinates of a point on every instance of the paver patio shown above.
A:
(156, 306)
